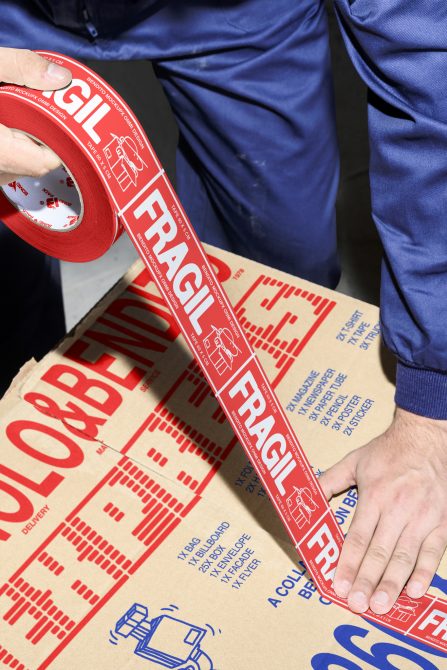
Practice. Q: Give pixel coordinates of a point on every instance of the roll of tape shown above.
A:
(112, 180)
(37, 209)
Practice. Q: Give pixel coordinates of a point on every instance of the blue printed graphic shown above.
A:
(438, 582)
(381, 655)
(164, 640)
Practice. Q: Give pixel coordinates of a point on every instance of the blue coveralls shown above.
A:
(257, 167)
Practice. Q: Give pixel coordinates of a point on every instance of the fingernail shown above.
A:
(381, 598)
(359, 601)
(342, 588)
(415, 590)
(57, 73)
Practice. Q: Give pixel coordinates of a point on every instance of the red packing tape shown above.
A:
(122, 183)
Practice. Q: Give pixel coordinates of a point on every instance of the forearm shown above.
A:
(399, 48)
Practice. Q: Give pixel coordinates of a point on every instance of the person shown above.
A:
(257, 168)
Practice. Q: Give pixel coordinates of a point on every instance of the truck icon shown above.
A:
(221, 348)
(123, 159)
(164, 640)
(301, 505)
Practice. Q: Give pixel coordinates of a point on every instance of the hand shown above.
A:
(399, 531)
(19, 154)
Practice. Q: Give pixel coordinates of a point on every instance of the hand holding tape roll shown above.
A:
(19, 155)
(111, 180)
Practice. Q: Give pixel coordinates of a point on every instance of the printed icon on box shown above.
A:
(221, 349)
(123, 159)
(164, 640)
(301, 505)
(404, 610)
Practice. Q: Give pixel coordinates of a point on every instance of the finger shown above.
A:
(388, 554)
(26, 68)
(397, 572)
(427, 563)
(339, 477)
(19, 155)
(355, 546)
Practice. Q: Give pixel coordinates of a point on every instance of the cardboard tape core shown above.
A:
(53, 201)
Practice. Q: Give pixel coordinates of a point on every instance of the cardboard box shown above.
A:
(135, 533)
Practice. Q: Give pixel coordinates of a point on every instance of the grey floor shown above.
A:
(84, 284)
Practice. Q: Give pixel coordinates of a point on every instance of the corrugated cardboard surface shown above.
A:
(122, 484)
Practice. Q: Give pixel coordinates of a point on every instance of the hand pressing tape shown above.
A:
(112, 180)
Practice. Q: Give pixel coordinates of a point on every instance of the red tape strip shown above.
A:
(120, 178)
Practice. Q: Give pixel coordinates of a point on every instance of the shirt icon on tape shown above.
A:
(221, 349)
(123, 159)
(404, 609)
(301, 505)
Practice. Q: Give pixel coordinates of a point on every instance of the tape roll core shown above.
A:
(53, 201)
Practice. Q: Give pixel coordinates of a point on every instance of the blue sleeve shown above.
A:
(399, 48)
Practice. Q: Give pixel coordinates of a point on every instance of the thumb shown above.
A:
(26, 68)
(340, 476)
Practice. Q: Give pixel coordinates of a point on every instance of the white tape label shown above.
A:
(52, 201)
